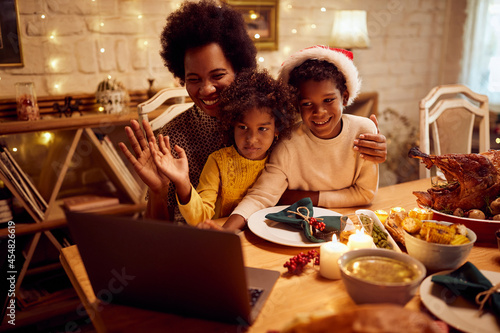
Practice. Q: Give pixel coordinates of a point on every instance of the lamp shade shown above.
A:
(349, 30)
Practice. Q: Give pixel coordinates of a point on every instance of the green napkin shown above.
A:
(467, 281)
(304, 210)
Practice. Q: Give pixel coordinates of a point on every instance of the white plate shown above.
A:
(456, 311)
(376, 220)
(283, 234)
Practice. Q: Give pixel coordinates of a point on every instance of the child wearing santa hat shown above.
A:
(318, 161)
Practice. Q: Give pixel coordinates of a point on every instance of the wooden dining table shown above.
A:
(292, 296)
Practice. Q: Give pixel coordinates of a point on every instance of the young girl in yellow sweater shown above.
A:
(255, 110)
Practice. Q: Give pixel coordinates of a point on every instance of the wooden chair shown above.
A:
(451, 121)
(163, 114)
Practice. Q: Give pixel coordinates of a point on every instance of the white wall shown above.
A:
(402, 64)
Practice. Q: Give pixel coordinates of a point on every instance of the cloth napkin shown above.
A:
(468, 281)
(305, 208)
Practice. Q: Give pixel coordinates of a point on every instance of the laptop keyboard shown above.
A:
(254, 295)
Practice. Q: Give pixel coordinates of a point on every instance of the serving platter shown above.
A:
(283, 234)
(456, 311)
(377, 222)
(484, 229)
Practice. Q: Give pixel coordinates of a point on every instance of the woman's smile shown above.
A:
(210, 102)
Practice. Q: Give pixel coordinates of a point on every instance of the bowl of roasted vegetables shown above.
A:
(484, 228)
(469, 194)
(436, 244)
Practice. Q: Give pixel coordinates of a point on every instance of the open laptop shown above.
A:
(170, 268)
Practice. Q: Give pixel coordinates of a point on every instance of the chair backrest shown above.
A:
(449, 122)
(364, 105)
(165, 114)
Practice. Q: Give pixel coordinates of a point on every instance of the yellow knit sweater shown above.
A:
(224, 181)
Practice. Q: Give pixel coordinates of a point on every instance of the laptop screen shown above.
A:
(163, 266)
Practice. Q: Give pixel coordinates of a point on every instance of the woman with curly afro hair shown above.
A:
(256, 110)
(204, 44)
(203, 23)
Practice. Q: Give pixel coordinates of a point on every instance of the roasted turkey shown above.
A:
(473, 180)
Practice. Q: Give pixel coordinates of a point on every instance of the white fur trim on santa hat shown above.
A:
(336, 57)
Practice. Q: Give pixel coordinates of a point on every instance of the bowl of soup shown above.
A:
(380, 276)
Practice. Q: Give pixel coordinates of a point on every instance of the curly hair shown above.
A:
(197, 24)
(257, 89)
(316, 70)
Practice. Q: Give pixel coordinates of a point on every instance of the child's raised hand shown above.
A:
(176, 169)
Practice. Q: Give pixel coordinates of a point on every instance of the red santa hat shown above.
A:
(341, 58)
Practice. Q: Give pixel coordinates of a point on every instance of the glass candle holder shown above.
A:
(27, 105)
(366, 223)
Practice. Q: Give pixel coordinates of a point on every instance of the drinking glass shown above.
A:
(27, 106)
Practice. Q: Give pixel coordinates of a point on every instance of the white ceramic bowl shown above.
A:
(439, 257)
(363, 291)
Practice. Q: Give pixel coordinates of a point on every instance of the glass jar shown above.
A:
(27, 106)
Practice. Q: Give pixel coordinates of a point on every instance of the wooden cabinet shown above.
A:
(65, 157)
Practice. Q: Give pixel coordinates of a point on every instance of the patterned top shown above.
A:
(224, 181)
(199, 135)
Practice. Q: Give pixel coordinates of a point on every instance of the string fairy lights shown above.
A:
(103, 33)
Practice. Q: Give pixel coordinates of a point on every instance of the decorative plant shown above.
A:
(401, 135)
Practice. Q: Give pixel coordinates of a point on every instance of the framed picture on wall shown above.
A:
(11, 54)
(261, 18)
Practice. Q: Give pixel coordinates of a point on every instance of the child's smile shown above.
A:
(322, 123)
(321, 106)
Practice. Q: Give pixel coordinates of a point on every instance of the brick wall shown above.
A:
(414, 44)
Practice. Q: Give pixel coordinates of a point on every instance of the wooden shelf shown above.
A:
(60, 222)
(80, 153)
(74, 122)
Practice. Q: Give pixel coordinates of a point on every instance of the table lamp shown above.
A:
(349, 30)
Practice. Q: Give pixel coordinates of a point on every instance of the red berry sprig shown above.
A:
(297, 263)
(317, 224)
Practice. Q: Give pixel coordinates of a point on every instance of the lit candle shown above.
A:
(397, 210)
(328, 256)
(421, 213)
(382, 215)
(360, 240)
